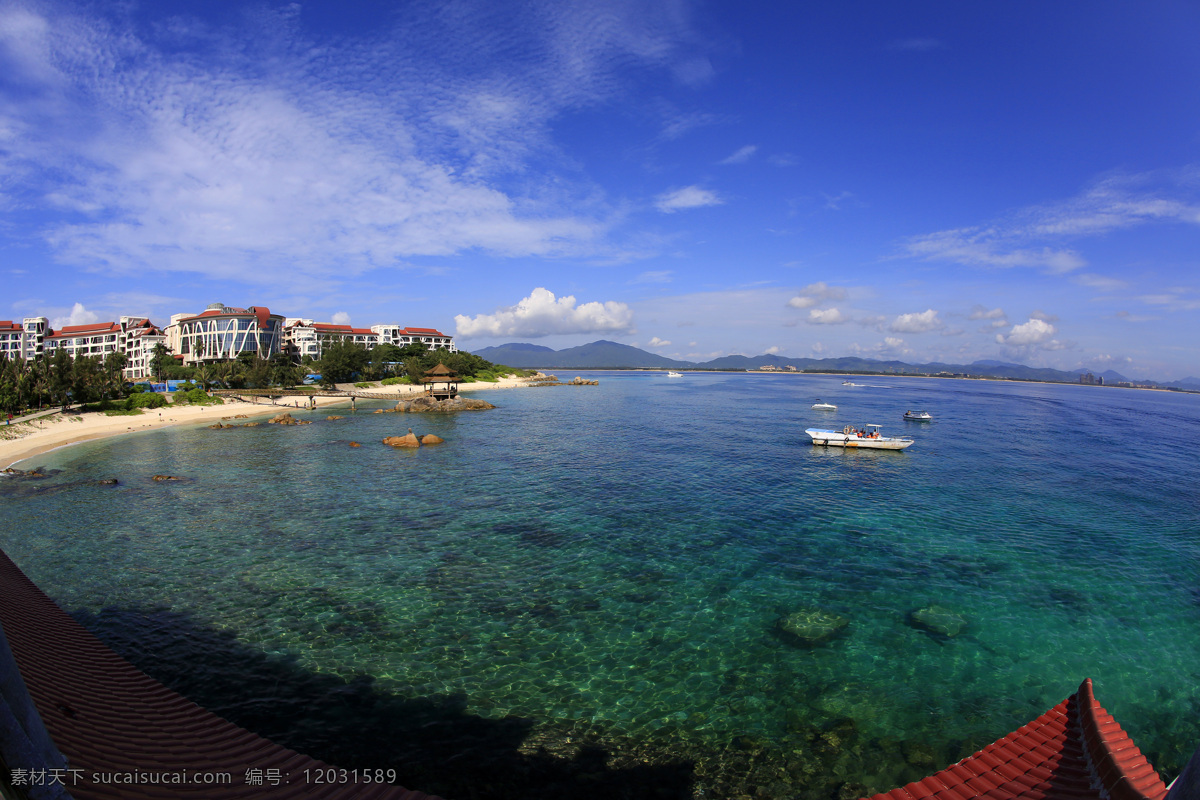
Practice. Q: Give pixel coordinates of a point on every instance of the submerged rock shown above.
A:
(332, 417)
(938, 620)
(428, 404)
(355, 444)
(161, 478)
(810, 626)
(108, 482)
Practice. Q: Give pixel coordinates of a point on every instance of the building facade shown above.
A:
(402, 337)
(303, 337)
(220, 333)
(23, 339)
(139, 338)
(93, 339)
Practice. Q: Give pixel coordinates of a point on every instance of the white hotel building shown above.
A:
(24, 339)
(303, 337)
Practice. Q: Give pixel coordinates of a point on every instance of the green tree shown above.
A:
(59, 381)
(161, 361)
(341, 361)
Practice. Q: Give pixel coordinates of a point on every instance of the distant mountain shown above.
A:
(613, 355)
(597, 355)
(987, 362)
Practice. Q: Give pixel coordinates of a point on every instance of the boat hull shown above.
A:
(851, 440)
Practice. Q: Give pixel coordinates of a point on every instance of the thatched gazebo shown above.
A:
(441, 382)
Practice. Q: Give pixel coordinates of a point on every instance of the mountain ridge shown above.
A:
(604, 354)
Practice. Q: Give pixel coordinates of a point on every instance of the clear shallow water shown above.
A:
(604, 567)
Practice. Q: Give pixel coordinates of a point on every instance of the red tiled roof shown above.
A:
(1075, 751)
(84, 330)
(424, 332)
(106, 716)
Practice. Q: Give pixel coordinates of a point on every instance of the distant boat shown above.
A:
(849, 383)
(918, 416)
(850, 436)
(819, 406)
(674, 374)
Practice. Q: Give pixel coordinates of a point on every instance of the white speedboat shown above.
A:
(674, 374)
(819, 406)
(868, 437)
(849, 383)
(918, 416)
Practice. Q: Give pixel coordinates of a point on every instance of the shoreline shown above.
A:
(57, 431)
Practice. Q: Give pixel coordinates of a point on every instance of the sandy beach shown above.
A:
(25, 440)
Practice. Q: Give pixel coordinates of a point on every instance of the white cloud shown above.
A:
(687, 197)
(1027, 238)
(253, 153)
(1101, 282)
(542, 314)
(827, 316)
(816, 293)
(78, 315)
(772, 350)
(892, 343)
(1027, 334)
(916, 323)
(986, 248)
(981, 312)
(741, 156)
(340, 318)
(657, 342)
(656, 276)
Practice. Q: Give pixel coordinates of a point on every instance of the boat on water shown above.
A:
(674, 374)
(819, 406)
(918, 416)
(849, 383)
(867, 437)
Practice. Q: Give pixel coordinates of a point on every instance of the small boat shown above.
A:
(918, 416)
(674, 374)
(850, 436)
(850, 383)
(819, 406)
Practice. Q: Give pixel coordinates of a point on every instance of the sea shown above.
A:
(584, 592)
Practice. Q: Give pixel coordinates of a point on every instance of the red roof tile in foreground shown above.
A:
(1075, 751)
(108, 717)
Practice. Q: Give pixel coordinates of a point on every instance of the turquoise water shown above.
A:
(580, 589)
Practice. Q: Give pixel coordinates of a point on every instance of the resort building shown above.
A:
(402, 337)
(138, 340)
(93, 339)
(303, 337)
(220, 333)
(23, 339)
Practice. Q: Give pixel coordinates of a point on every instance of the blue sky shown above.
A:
(924, 181)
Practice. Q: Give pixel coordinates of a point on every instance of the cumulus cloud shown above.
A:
(542, 314)
(1028, 334)
(916, 323)
(78, 315)
(816, 293)
(827, 316)
(657, 342)
(340, 318)
(741, 156)
(687, 197)
(772, 350)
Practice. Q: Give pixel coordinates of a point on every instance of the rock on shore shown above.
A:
(427, 404)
